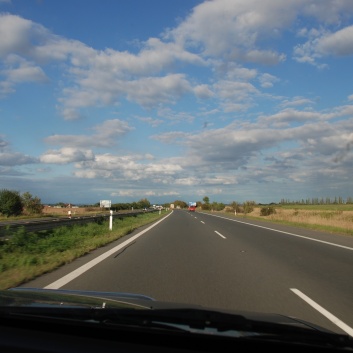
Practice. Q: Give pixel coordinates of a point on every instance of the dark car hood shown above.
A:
(59, 298)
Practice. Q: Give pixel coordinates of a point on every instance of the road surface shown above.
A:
(226, 263)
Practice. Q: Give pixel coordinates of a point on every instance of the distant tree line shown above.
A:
(318, 201)
(138, 205)
(238, 207)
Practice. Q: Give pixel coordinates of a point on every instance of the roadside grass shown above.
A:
(328, 207)
(28, 255)
(336, 219)
(57, 213)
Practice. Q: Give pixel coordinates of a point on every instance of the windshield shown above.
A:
(186, 152)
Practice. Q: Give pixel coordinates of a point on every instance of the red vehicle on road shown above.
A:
(192, 206)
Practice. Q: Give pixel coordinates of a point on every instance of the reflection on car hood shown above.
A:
(131, 311)
(59, 298)
(38, 297)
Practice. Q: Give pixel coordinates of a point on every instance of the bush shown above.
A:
(249, 206)
(32, 205)
(10, 203)
(266, 211)
(235, 207)
(206, 206)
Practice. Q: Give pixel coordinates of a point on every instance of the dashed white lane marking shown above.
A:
(220, 234)
(324, 312)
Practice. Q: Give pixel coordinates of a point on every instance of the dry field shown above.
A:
(63, 211)
(334, 219)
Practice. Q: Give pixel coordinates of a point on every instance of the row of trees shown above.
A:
(248, 206)
(319, 201)
(12, 203)
(141, 204)
(245, 207)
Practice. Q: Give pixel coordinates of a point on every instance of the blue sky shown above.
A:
(176, 100)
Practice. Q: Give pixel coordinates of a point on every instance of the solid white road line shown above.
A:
(324, 312)
(78, 272)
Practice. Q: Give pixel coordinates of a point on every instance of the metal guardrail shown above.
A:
(7, 229)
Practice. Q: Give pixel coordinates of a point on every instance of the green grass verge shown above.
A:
(28, 255)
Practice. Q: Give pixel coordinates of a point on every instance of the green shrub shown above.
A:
(266, 211)
(10, 203)
(249, 206)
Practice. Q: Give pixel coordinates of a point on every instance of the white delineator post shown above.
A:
(111, 220)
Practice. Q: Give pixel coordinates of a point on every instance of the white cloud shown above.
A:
(106, 135)
(235, 24)
(265, 57)
(296, 101)
(16, 158)
(20, 70)
(339, 43)
(267, 80)
(128, 168)
(16, 34)
(151, 121)
(203, 91)
(151, 91)
(237, 73)
(11, 158)
(176, 117)
(66, 155)
(290, 115)
(105, 77)
(321, 43)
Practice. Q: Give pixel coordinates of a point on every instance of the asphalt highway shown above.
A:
(224, 263)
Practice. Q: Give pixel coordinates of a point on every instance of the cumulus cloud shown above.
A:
(321, 43)
(235, 24)
(253, 147)
(267, 80)
(17, 34)
(16, 158)
(203, 91)
(339, 43)
(296, 101)
(106, 135)
(127, 167)
(104, 77)
(66, 155)
(9, 158)
(20, 70)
